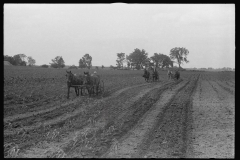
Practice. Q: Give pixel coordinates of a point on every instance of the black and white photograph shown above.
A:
(119, 80)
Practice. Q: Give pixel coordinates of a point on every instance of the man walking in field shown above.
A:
(169, 73)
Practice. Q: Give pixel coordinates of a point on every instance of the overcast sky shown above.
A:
(45, 31)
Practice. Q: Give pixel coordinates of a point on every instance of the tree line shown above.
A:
(57, 62)
(139, 58)
(20, 60)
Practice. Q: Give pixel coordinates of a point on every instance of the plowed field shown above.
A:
(192, 117)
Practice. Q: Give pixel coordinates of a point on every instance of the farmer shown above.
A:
(169, 73)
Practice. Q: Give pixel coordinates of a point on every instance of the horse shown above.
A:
(73, 79)
(146, 75)
(151, 74)
(91, 81)
(155, 75)
(174, 76)
(177, 75)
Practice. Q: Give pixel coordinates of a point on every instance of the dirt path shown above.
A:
(213, 122)
(128, 145)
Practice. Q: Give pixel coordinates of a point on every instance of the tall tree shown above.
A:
(128, 64)
(87, 59)
(158, 58)
(129, 61)
(120, 59)
(22, 56)
(31, 61)
(118, 64)
(82, 64)
(58, 62)
(138, 57)
(167, 61)
(17, 59)
(180, 54)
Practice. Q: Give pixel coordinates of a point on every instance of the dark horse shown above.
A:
(146, 75)
(177, 75)
(155, 75)
(74, 80)
(92, 81)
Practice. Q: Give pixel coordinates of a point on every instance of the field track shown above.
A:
(145, 120)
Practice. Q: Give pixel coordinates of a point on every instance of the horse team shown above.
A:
(172, 75)
(85, 81)
(151, 74)
(92, 82)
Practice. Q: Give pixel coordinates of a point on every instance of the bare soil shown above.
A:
(189, 118)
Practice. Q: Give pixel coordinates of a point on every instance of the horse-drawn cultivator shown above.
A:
(92, 83)
(151, 75)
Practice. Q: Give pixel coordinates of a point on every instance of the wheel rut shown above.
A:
(103, 127)
(168, 137)
(110, 127)
(128, 145)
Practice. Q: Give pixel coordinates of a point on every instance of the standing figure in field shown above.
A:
(173, 75)
(169, 74)
(73, 80)
(155, 74)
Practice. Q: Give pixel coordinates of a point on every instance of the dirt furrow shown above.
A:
(75, 121)
(168, 137)
(232, 82)
(107, 122)
(75, 101)
(104, 123)
(72, 108)
(213, 122)
(227, 88)
(228, 84)
(128, 144)
(222, 93)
